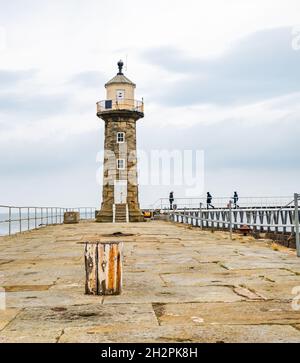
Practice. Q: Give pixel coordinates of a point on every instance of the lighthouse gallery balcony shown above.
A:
(106, 106)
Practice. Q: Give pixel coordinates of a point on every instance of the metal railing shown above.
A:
(283, 219)
(15, 219)
(181, 204)
(126, 104)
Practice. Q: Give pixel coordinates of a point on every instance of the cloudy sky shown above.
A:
(218, 76)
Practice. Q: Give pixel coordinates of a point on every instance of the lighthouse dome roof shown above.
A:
(120, 79)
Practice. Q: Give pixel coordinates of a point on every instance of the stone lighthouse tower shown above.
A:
(120, 112)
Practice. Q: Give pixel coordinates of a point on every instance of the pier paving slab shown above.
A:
(6, 316)
(228, 278)
(181, 334)
(176, 293)
(238, 313)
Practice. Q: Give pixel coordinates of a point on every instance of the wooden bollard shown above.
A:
(103, 266)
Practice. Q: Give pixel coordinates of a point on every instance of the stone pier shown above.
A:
(180, 284)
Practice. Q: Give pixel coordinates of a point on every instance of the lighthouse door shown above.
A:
(120, 194)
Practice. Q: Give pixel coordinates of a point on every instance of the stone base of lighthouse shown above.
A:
(106, 216)
(121, 212)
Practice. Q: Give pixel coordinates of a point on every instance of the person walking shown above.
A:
(209, 200)
(235, 199)
(171, 199)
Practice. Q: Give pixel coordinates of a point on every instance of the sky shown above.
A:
(218, 77)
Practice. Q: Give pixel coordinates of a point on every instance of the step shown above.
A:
(120, 213)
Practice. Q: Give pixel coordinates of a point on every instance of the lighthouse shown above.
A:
(120, 112)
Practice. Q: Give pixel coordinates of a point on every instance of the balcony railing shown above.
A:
(114, 105)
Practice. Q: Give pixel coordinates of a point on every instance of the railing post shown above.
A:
(230, 219)
(200, 216)
(28, 219)
(35, 218)
(296, 221)
(20, 220)
(9, 221)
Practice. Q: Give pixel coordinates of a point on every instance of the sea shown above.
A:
(26, 224)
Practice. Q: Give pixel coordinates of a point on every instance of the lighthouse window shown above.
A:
(120, 94)
(121, 164)
(120, 137)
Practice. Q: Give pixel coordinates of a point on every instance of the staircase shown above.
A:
(120, 211)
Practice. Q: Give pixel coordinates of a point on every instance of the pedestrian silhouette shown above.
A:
(171, 199)
(235, 199)
(209, 200)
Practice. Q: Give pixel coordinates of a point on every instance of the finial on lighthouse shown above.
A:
(120, 65)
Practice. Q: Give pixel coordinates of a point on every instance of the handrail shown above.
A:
(114, 213)
(221, 202)
(16, 219)
(127, 213)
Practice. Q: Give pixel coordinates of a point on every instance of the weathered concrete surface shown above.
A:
(180, 285)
